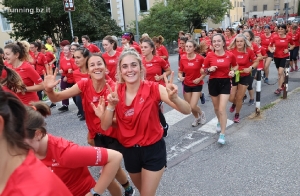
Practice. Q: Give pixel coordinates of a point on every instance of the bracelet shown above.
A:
(110, 109)
(206, 71)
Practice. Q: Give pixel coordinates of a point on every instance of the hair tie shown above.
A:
(33, 107)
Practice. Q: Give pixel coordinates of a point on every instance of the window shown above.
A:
(265, 7)
(241, 4)
(5, 24)
(254, 8)
(143, 5)
(276, 7)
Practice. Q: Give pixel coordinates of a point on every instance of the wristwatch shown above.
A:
(94, 193)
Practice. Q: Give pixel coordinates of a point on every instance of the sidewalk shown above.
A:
(261, 157)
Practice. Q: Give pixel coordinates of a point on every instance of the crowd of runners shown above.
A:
(115, 91)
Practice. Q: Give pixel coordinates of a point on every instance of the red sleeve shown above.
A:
(233, 61)
(165, 52)
(291, 41)
(44, 60)
(252, 56)
(206, 62)
(75, 156)
(82, 85)
(95, 48)
(33, 75)
(164, 65)
(180, 66)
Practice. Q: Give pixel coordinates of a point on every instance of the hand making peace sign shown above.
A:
(171, 88)
(112, 97)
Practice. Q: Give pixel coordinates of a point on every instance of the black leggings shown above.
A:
(294, 53)
(251, 79)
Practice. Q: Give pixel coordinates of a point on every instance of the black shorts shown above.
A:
(244, 80)
(280, 62)
(217, 86)
(270, 54)
(107, 142)
(152, 158)
(189, 89)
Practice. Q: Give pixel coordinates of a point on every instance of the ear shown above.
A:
(38, 135)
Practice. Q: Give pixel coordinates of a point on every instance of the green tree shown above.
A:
(196, 12)
(162, 20)
(91, 17)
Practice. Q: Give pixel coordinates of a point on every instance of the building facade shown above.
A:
(236, 13)
(5, 28)
(262, 8)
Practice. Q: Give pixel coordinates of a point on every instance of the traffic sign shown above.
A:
(69, 5)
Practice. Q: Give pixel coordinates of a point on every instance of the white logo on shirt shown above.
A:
(282, 40)
(149, 65)
(220, 60)
(190, 64)
(111, 61)
(129, 112)
(95, 98)
(240, 56)
(141, 100)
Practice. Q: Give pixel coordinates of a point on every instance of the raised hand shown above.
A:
(100, 108)
(112, 97)
(171, 88)
(50, 78)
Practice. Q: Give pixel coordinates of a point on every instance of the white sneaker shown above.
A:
(221, 139)
(196, 122)
(218, 128)
(202, 118)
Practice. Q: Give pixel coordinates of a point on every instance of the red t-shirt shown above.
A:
(255, 48)
(139, 123)
(228, 40)
(69, 162)
(295, 38)
(89, 95)
(40, 62)
(137, 48)
(223, 63)
(33, 178)
(261, 62)
(65, 65)
(244, 59)
(119, 49)
(265, 41)
(256, 33)
(162, 51)
(111, 64)
(79, 76)
(191, 68)
(281, 44)
(30, 77)
(92, 48)
(50, 57)
(155, 67)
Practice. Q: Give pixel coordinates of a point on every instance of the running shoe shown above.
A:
(251, 102)
(266, 80)
(45, 98)
(129, 191)
(63, 108)
(236, 118)
(278, 91)
(82, 118)
(196, 122)
(221, 139)
(52, 105)
(218, 128)
(202, 98)
(244, 98)
(292, 69)
(166, 130)
(296, 68)
(202, 118)
(232, 108)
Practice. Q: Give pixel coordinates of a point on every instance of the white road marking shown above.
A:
(173, 117)
(71, 102)
(210, 127)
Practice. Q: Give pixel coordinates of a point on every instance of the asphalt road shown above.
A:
(194, 159)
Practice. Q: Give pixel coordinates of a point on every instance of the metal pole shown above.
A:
(71, 24)
(258, 90)
(286, 79)
(136, 21)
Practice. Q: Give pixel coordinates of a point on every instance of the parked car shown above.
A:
(290, 20)
(280, 21)
(235, 25)
(297, 19)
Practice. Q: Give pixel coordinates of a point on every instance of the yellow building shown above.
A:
(123, 10)
(236, 13)
(5, 28)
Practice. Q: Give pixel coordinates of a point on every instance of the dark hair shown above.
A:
(283, 26)
(1, 51)
(111, 41)
(196, 46)
(37, 45)
(158, 39)
(74, 38)
(204, 32)
(76, 45)
(231, 30)
(85, 52)
(19, 48)
(12, 81)
(183, 39)
(14, 115)
(36, 113)
(267, 27)
(86, 37)
(94, 54)
(43, 47)
(250, 33)
(150, 43)
(47, 37)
